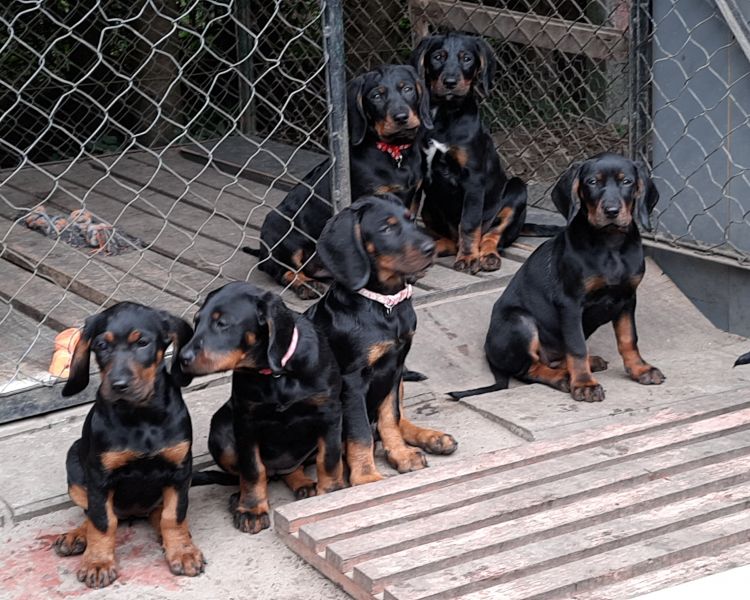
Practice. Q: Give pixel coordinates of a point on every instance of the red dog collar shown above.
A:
(394, 150)
(288, 355)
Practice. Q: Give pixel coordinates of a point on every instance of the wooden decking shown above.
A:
(608, 514)
(194, 217)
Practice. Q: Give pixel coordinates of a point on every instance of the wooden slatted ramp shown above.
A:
(610, 513)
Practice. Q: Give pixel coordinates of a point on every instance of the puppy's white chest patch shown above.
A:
(432, 149)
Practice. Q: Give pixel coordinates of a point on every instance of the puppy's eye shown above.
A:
(386, 229)
(438, 56)
(627, 181)
(407, 89)
(222, 323)
(101, 345)
(376, 96)
(467, 58)
(142, 343)
(591, 181)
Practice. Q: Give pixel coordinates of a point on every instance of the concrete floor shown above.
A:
(695, 357)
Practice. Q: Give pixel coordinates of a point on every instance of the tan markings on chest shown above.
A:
(116, 459)
(377, 351)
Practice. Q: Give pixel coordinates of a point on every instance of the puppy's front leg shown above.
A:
(183, 556)
(401, 457)
(359, 444)
(250, 505)
(627, 345)
(470, 227)
(98, 567)
(583, 386)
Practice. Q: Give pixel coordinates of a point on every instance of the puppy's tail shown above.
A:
(409, 375)
(501, 383)
(743, 360)
(540, 230)
(251, 251)
(214, 477)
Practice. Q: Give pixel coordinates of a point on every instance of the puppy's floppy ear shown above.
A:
(417, 58)
(487, 66)
(356, 110)
(341, 249)
(80, 364)
(178, 332)
(423, 98)
(272, 312)
(648, 196)
(565, 193)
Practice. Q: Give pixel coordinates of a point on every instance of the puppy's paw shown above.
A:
(249, 520)
(490, 262)
(650, 376)
(71, 543)
(97, 573)
(597, 363)
(332, 486)
(587, 392)
(467, 263)
(309, 290)
(406, 459)
(306, 491)
(185, 560)
(439, 443)
(360, 477)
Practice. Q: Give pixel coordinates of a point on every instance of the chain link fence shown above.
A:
(109, 114)
(143, 142)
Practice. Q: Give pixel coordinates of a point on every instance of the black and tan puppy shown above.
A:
(134, 454)
(579, 280)
(374, 251)
(470, 204)
(388, 110)
(285, 406)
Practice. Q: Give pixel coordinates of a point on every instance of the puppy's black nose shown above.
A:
(120, 385)
(450, 82)
(611, 211)
(187, 355)
(428, 248)
(401, 118)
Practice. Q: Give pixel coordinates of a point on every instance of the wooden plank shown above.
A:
(292, 516)
(163, 236)
(42, 300)
(595, 41)
(558, 544)
(82, 273)
(180, 280)
(272, 163)
(472, 531)
(162, 191)
(639, 529)
(564, 520)
(560, 480)
(587, 572)
(671, 575)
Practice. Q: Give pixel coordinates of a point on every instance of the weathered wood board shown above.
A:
(554, 519)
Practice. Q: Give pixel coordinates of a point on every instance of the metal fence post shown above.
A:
(338, 141)
(640, 74)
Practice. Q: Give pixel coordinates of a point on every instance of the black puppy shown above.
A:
(581, 279)
(134, 454)
(374, 251)
(470, 205)
(388, 110)
(285, 406)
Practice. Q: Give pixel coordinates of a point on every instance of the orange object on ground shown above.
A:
(65, 344)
